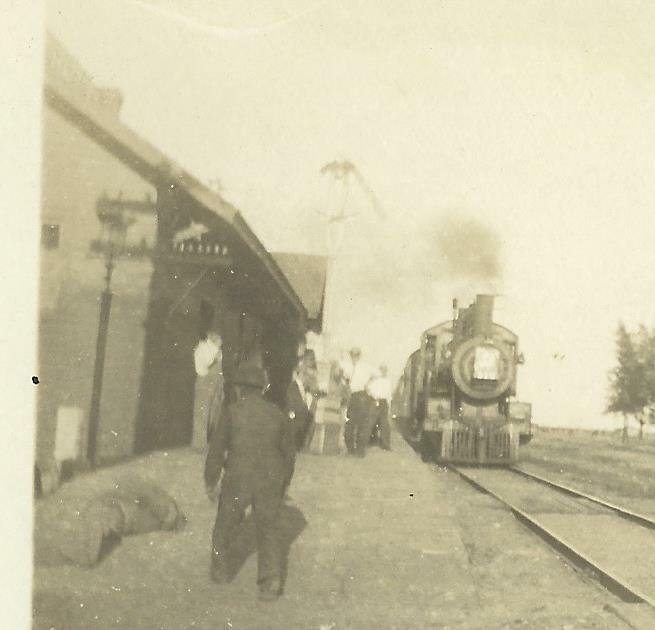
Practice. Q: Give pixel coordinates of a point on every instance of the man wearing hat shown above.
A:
(253, 443)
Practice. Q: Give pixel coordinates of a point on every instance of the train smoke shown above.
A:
(401, 266)
(468, 249)
(393, 280)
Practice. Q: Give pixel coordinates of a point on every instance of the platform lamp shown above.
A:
(111, 243)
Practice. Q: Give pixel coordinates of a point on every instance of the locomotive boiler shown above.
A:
(456, 396)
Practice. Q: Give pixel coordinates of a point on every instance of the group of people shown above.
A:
(252, 443)
(368, 396)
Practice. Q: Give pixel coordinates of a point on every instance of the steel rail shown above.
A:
(610, 581)
(635, 517)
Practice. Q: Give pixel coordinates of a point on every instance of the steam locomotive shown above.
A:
(455, 399)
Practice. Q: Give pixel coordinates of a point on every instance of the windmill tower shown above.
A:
(340, 174)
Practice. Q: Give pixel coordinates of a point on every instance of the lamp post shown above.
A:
(112, 239)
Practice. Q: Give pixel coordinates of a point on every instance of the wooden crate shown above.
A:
(329, 423)
(329, 414)
(326, 440)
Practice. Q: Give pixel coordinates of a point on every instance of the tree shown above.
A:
(645, 347)
(629, 393)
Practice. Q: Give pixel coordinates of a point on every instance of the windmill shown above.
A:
(340, 174)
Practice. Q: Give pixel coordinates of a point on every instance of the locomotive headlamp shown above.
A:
(486, 363)
(481, 369)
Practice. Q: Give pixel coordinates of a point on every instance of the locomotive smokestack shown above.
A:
(483, 315)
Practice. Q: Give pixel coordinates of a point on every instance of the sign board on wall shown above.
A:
(67, 434)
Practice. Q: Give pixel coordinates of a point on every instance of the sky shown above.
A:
(511, 146)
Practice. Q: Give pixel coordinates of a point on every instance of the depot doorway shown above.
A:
(168, 384)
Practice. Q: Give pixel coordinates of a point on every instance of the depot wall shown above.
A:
(76, 172)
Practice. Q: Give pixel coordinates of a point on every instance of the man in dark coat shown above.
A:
(297, 408)
(254, 443)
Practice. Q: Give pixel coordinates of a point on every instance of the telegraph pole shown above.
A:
(101, 345)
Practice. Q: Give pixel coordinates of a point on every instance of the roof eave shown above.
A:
(157, 169)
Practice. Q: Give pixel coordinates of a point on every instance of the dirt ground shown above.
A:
(597, 462)
(384, 542)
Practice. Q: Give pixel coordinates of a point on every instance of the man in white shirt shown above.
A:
(206, 352)
(357, 375)
(208, 361)
(379, 388)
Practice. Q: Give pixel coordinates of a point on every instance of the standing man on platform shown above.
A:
(298, 412)
(208, 400)
(253, 443)
(297, 408)
(380, 391)
(357, 376)
(309, 378)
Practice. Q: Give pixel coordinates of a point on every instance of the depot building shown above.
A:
(120, 218)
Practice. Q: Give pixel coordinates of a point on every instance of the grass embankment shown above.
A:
(598, 462)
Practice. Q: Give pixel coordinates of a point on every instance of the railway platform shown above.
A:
(381, 542)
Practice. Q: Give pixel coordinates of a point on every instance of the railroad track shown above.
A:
(615, 544)
(641, 519)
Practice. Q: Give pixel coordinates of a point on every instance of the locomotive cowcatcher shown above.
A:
(456, 396)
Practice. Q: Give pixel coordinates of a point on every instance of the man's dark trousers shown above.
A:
(381, 418)
(358, 427)
(266, 501)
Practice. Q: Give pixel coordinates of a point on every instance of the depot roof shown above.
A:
(70, 91)
(307, 273)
